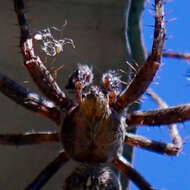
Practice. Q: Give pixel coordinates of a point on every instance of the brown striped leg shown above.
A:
(127, 169)
(29, 138)
(152, 145)
(159, 147)
(29, 100)
(48, 172)
(173, 130)
(39, 73)
(164, 116)
(176, 55)
(148, 70)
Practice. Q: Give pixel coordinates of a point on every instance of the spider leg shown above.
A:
(174, 134)
(163, 116)
(126, 168)
(29, 100)
(148, 70)
(29, 138)
(159, 147)
(155, 146)
(39, 73)
(48, 172)
(177, 55)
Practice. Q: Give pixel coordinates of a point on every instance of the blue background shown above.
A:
(165, 172)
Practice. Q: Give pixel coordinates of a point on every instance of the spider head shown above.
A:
(95, 103)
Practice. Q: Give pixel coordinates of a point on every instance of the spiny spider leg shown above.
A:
(152, 145)
(174, 134)
(33, 63)
(165, 116)
(159, 147)
(147, 72)
(29, 138)
(29, 100)
(177, 55)
(48, 172)
(126, 168)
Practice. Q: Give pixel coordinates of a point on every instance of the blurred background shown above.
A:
(173, 87)
(100, 42)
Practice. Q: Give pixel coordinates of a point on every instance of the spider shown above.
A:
(94, 127)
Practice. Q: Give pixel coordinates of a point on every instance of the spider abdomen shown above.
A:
(92, 132)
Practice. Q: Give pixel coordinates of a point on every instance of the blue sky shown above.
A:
(166, 172)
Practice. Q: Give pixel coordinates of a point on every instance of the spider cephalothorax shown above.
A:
(92, 131)
(93, 128)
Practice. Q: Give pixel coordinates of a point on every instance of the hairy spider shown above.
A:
(95, 126)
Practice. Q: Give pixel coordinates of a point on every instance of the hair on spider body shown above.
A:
(88, 177)
(93, 132)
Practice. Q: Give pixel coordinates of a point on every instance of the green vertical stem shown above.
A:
(134, 45)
